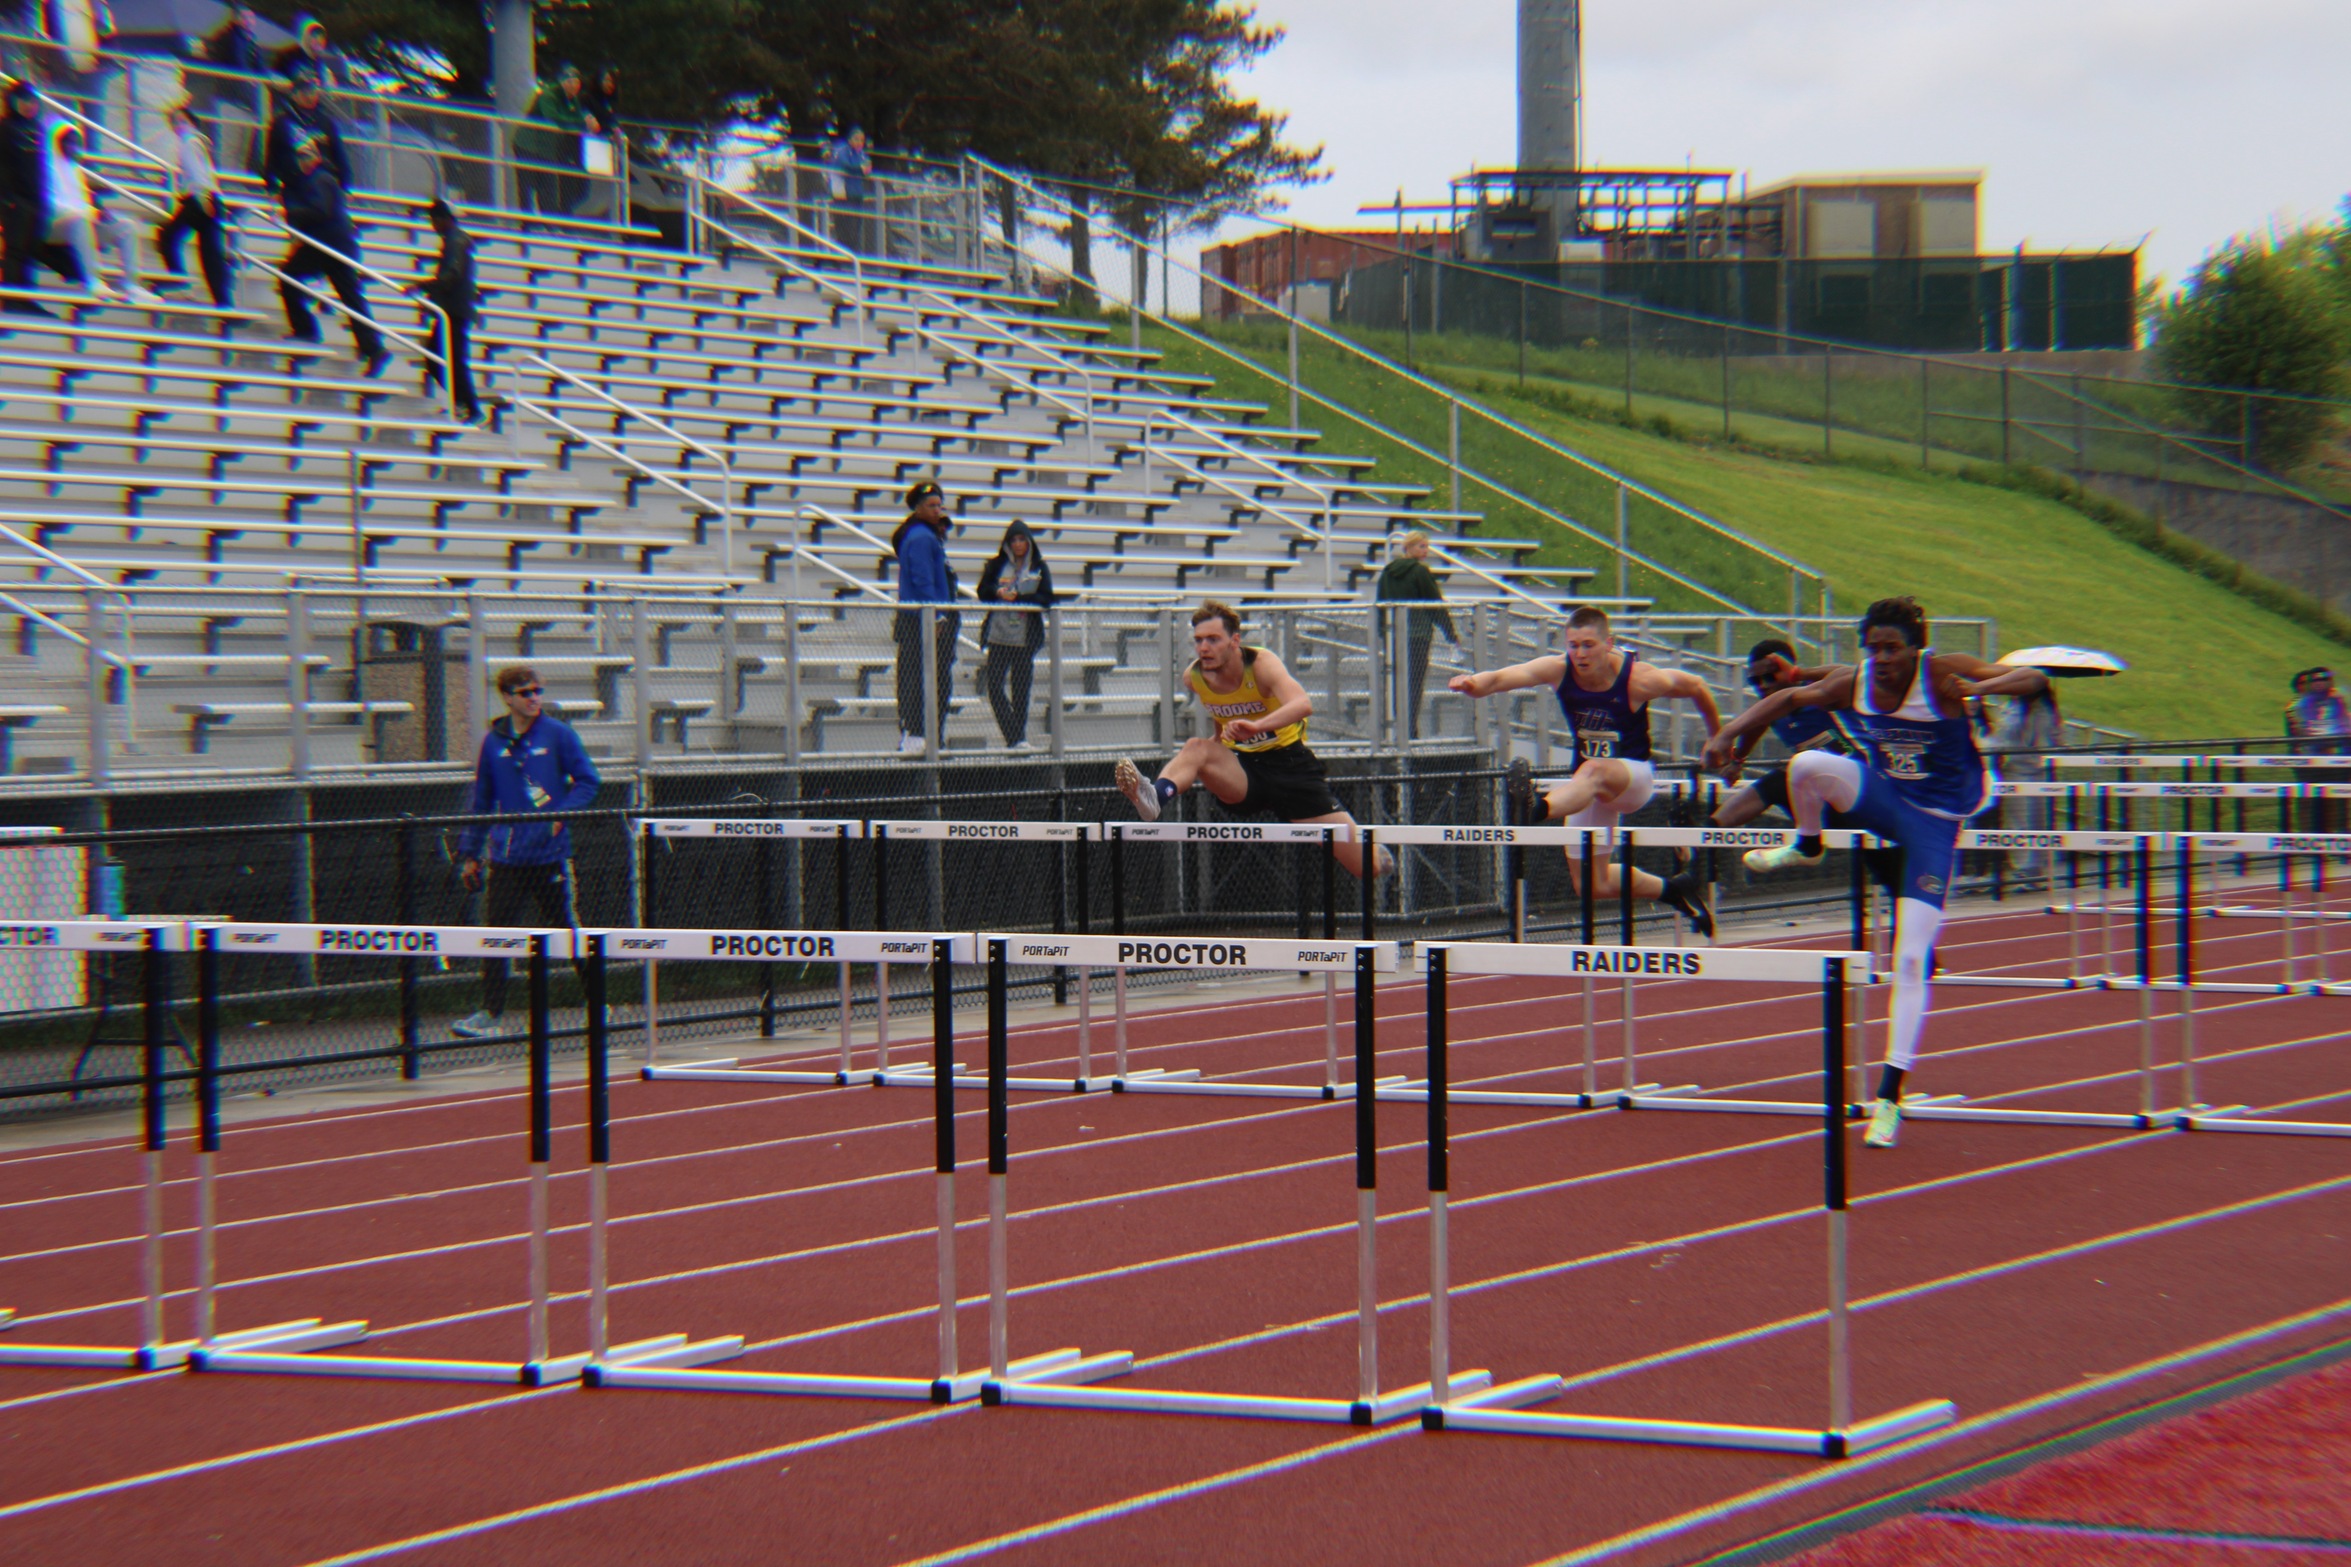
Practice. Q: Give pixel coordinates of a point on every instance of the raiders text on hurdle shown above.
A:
(1457, 1405)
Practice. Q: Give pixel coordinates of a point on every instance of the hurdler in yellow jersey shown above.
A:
(1259, 762)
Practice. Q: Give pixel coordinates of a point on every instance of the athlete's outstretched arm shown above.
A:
(1836, 690)
(1965, 675)
(1290, 701)
(1652, 684)
(1548, 670)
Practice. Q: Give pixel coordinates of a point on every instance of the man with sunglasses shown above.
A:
(529, 763)
(1771, 667)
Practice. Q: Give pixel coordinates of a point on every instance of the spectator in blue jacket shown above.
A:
(529, 762)
(924, 577)
(848, 174)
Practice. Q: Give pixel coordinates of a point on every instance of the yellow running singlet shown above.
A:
(1245, 702)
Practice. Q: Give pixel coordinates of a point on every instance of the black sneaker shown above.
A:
(1526, 808)
(1685, 894)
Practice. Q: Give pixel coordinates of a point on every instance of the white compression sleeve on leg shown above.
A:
(1915, 926)
(1815, 779)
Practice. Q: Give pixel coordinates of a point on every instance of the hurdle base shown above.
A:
(1416, 1091)
(1374, 1411)
(2234, 1119)
(308, 1333)
(1474, 1415)
(722, 1069)
(667, 1349)
(1174, 1083)
(282, 1357)
(1069, 1364)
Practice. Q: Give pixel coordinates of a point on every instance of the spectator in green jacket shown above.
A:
(1407, 578)
(562, 107)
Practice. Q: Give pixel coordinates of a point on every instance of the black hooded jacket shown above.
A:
(1000, 562)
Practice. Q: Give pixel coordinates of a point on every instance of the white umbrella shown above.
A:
(2065, 663)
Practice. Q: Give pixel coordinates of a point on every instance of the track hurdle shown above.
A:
(1455, 1405)
(1203, 956)
(1370, 1406)
(152, 941)
(952, 1384)
(880, 948)
(285, 1354)
(762, 832)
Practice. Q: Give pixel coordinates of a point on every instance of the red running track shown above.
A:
(2257, 1479)
(1666, 1264)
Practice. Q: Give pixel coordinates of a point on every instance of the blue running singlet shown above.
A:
(1929, 758)
(1607, 726)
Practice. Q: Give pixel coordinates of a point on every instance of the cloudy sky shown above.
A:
(2097, 121)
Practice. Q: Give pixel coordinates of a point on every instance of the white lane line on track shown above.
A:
(1029, 1032)
(1653, 1533)
(636, 1487)
(1715, 1512)
(461, 1100)
(1948, 1181)
(865, 1181)
(1186, 1489)
(1237, 1116)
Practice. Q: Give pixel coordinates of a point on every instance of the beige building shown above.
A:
(1874, 216)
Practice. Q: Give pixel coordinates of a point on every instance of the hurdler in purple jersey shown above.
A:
(1604, 692)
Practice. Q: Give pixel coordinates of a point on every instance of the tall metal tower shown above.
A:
(1550, 84)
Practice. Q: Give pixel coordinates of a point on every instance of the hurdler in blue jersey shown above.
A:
(1918, 777)
(528, 763)
(1604, 693)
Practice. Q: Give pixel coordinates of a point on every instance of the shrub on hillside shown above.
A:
(2257, 317)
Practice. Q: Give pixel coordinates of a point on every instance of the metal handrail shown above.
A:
(1630, 485)
(819, 514)
(726, 471)
(1326, 535)
(862, 301)
(139, 198)
(515, 399)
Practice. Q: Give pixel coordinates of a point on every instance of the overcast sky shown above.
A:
(2097, 122)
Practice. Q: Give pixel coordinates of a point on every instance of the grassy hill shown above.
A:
(2206, 660)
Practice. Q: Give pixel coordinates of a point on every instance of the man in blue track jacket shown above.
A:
(529, 762)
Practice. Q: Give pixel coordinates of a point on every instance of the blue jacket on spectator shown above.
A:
(923, 577)
(546, 769)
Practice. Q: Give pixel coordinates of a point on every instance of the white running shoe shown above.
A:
(1141, 792)
(1885, 1125)
(909, 744)
(1779, 858)
(479, 1025)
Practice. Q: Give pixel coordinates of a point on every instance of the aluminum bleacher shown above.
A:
(230, 553)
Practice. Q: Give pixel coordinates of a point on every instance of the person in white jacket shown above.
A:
(77, 223)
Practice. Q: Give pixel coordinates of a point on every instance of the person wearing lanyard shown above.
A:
(196, 181)
(529, 762)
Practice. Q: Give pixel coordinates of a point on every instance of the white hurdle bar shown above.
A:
(881, 948)
(1201, 956)
(151, 940)
(1455, 1405)
(285, 1350)
(1369, 1407)
(651, 830)
(951, 1384)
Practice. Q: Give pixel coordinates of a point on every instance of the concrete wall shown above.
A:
(2295, 542)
